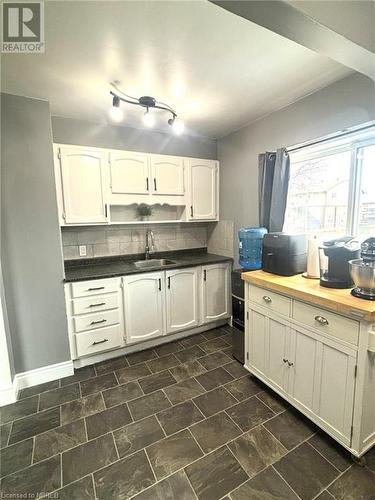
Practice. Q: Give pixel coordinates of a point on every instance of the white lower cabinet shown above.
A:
(315, 373)
(144, 306)
(109, 313)
(182, 299)
(215, 286)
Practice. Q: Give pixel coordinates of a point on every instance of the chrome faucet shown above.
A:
(149, 247)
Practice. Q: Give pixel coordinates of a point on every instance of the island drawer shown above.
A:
(325, 321)
(270, 300)
(93, 304)
(99, 340)
(95, 287)
(98, 320)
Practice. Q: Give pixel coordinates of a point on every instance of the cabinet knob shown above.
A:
(267, 299)
(290, 363)
(285, 360)
(321, 320)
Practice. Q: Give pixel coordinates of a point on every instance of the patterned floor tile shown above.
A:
(16, 457)
(156, 381)
(19, 409)
(34, 424)
(82, 407)
(57, 397)
(148, 405)
(187, 370)
(138, 435)
(122, 394)
(172, 453)
(215, 474)
(290, 428)
(107, 421)
(306, 471)
(182, 391)
(214, 431)
(250, 413)
(178, 417)
(214, 378)
(214, 401)
(124, 478)
(98, 384)
(173, 487)
(60, 439)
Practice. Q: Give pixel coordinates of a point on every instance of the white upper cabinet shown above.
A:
(167, 175)
(182, 299)
(129, 173)
(83, 185)
(203, 196)
(215, 292)
(89, 181)
(144, 306)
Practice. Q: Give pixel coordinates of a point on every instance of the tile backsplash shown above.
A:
(126, 239)
(221, 238)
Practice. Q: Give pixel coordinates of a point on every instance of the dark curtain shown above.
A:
(273, 188)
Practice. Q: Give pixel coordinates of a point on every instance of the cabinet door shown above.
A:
(303, 371)
(215, 292)
(277, 354)
(336, 382)
(144, 304)
(322, 381)
(203, 190)
(83, 185)
(167, 175)
(182, 299)
(129, 173)
(257, 342)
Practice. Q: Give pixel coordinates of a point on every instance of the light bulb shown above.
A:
(148, 119)
(116, 113)
(178, 126)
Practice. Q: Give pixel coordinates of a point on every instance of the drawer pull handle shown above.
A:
(97, 305)
(96, 288)
(321, 320)
(267, 299)
(290, 363)
(98, 322)
(100, 342)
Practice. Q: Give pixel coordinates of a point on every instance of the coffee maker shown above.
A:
(334, 257)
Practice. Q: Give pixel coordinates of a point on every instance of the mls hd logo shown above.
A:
(23, 27)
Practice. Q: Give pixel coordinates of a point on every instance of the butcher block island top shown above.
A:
(309, 290)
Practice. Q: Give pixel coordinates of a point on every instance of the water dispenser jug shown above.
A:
(251, 244)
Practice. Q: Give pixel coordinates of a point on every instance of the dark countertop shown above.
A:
(108, 267)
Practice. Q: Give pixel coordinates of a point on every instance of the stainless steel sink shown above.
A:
(150, 263)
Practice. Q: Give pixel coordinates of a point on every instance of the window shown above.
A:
(332, 188)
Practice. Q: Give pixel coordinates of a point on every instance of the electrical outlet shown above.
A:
(82, 250)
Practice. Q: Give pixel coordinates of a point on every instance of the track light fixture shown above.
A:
(147, 102)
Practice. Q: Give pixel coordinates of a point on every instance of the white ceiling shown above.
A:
(217, 70)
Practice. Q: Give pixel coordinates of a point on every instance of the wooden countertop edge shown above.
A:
(309, 296)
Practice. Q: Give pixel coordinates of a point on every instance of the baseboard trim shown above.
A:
(44, 374)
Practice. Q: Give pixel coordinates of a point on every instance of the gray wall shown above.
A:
(346, 103)
(30, 236)
(70, 131)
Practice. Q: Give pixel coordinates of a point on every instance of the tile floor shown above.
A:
(182, 421)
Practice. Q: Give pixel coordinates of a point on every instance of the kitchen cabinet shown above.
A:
(91, 181)
(215, 292)
(129, 173)
(83, 184)
(144, 306)
(107, 313)
(182, 299)
(203, 190)
(312, 368)
(167, 173)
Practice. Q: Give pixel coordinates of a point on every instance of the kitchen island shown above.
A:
(316, 348)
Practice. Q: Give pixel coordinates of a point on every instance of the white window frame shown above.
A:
(354, 143)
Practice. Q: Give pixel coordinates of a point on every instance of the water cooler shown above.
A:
(250, 249)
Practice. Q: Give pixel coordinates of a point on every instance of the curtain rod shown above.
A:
(328, 138)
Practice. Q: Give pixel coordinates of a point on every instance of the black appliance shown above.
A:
(334, 257)
(284, 254)
(363, 271)
(238, 316)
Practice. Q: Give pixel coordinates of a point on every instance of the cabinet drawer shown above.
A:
(91, 321)
(98, 340)
(270, 300)
(94, 287)
(327, 322)
(94, 304)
